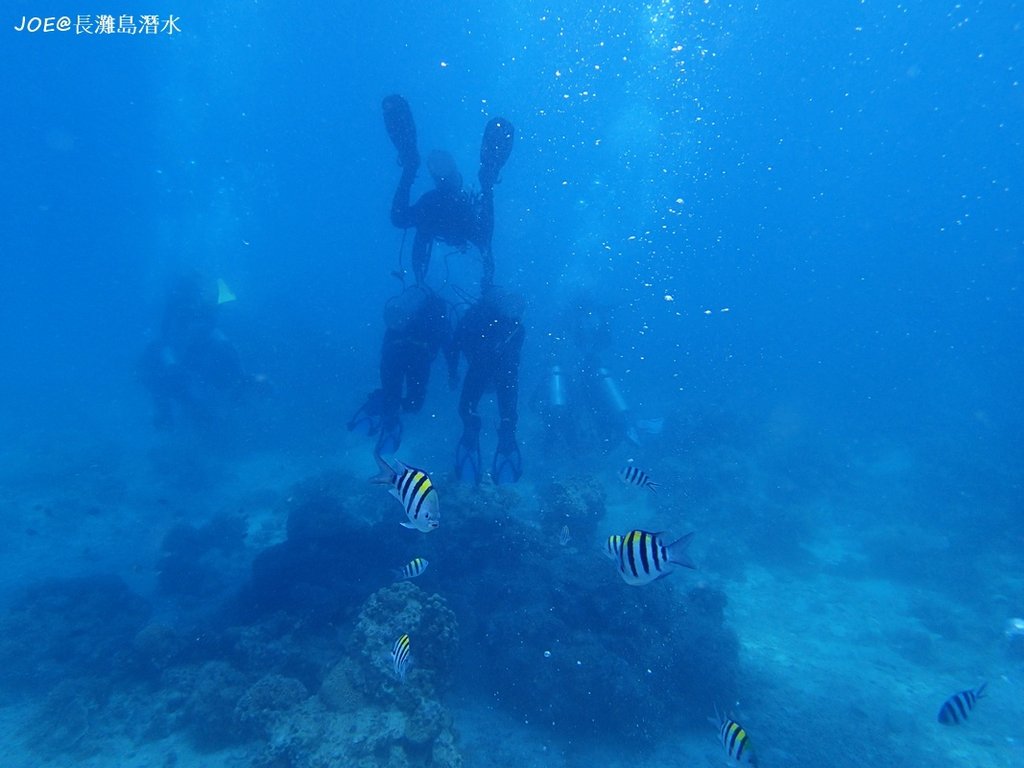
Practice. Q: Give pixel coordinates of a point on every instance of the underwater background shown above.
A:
(803, 226)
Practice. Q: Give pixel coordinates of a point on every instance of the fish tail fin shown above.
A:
(677, 552)
(652, 486)
(980, 690)
(386, 474)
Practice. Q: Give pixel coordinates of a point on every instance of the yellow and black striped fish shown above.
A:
(957, 707)
(415, 491)
(734, 740)
(400, 657)
(644, 556)
(633, 475)
(613, 546)
(412, 569)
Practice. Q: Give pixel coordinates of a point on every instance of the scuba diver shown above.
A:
(193, 368)
(582, 403)
(418, 327)
(448, 212)
(490, 336)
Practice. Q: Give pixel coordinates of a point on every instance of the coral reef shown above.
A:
(64, 628)
(578, 502)
(548, 632)
(196, 560)
(266, 701)
(65, 724)
(363, 716)
(319, 573)
(201, 700)
(156, 647)
(404, 608)
(624, 660)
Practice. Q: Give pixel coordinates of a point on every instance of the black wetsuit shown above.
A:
(492, 344)
(407, 354)
(454, 217)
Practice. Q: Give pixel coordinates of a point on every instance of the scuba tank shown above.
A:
(556, 390)
(613, 397)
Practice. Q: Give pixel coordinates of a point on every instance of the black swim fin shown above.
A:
(390, 437)
(495, 148)
(366, 421)
(401, 129)
(467, 461)
(508, 466)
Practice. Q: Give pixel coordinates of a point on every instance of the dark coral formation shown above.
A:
(196, 560)
(549, 632)
(63, 628)
(266, 702)
(201, 701)
(331, 560)
(623, 660)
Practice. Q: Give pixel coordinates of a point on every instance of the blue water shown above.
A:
(803, 223)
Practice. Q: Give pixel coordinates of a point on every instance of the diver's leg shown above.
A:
(401, 206)
(417, 377)
(495, 147)
(467, 452)
(508, 462)
(367, 420)
(401, 128)
(392, 372)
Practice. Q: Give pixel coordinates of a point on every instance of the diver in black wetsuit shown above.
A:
(490, 335)
(418, 327)
(448, 212)
(192, 369)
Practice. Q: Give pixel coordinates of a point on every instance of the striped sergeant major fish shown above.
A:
(414, 490)
(633, 475)
(734, 739)
(957, 707)
(613, 546)
(412, 569)
(644, 556)
(400, 657)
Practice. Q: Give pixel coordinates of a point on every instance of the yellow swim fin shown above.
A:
(224, 294)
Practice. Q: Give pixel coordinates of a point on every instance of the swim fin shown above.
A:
(495, 148)
(467, 461)
(390, 436)
(401, 129)
(224, 294)
(364, 422)
(508, 466)
(367, 420)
